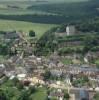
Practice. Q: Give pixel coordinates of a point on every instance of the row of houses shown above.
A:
(30, 70)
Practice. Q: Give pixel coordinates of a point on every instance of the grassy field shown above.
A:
(23, 12)
(8, 25)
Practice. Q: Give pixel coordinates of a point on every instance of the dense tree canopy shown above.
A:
(3, 95)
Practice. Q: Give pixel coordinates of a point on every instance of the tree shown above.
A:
(96, 97)
(15, 81)
(32, 89)
(24, 95)
(66, 96)
(10, 92)
(85, 79)
(47, 75)
(20, 86)
(31, 33)
(3, 95)
(90, 42)
(97, 63)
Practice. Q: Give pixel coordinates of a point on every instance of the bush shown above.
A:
(31, 33)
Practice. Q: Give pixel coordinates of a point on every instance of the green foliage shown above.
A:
(40, 94)
(66, 50)
(24, 95)
(10, 91)
(31, 33)
(46, 43)
(32, 89)
(66, 96)
(66, 61)
(47, 75)
(97, 63)
(2, 32)
(11, 25)
(20, 86)
(3, 95)
(62, 28)
(89, 25)
(81, 81)
(61, 12)
(79, 37)
(96, 97)
(3, 49)
(90, 43)
(15, 81)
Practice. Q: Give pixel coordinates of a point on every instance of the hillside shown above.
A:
(49, 12)
(9, 25)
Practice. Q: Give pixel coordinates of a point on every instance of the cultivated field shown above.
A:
(8, 25)
(16, 7)
(50, 11)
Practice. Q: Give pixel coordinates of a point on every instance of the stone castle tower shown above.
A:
(70, 30)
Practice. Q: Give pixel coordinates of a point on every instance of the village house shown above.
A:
(38, 80)
(9, 69)
(56, 73)
(54, 58)
(85, 70)
(21, 76)
(51, 65)
(12, 35)
(80, 94)
(90, 56)
(68, 80)
(84, 95)
(20, 70)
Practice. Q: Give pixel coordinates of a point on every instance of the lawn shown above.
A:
(22, 12)
(9, 25)
(41, 94)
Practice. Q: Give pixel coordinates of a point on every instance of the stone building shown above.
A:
(70, 30)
